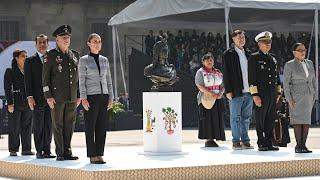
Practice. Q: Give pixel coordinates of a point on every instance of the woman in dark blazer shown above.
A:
(300, 87)
(20, 117)
(96, 93)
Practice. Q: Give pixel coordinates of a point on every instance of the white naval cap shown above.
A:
(266, 35)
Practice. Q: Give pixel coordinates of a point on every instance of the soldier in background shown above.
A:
(60, 87)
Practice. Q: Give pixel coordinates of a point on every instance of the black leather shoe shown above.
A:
(273, 148)
(71, 157)
(262, 148)
(282, 145)
(27, 153)
(298, 149)
(13, 154)
(49, 155)
(39, 155)
(60, 158)
(305, 150)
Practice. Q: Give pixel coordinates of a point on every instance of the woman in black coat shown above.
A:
(20, 117)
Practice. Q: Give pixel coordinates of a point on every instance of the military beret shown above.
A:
(263, 36)
(62, 30)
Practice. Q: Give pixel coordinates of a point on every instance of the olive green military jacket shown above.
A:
(60, 76)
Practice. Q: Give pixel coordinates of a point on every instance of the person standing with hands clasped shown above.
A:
(20, 116)
(300, 91)
(96, 93)
(208, 80)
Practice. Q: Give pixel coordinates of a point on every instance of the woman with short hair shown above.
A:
(300, 91)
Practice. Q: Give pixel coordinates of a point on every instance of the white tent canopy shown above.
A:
(142, 10)
(285, 15)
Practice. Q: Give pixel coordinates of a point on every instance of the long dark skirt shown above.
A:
(211, 122)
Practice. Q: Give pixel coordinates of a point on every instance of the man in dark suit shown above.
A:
(36, 100)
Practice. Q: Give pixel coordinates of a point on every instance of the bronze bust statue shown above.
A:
(160, 72)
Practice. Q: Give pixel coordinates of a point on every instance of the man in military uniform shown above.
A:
(60, 87)
(265, 87)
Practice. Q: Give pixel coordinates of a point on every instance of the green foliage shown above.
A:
(117, 107)
(169, 110)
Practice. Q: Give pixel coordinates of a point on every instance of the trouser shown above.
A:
(96, 119)
(63, 120)
(240, 116)
(42, 128)
(20, 126)
(265, 118)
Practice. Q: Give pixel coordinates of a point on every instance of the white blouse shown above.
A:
(304, 65)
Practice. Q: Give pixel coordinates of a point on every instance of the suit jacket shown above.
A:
(14, 87)
(301, 89)
(232, 74)
(60, 75)
(296, 81)
(90, 80)
(33, 79)
(263, 75)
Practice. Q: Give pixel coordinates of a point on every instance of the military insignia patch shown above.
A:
(267, 35)
(274, 60)
(75, 59)
(59, 59)
(59, 68)
(45, 58)
(45, 88)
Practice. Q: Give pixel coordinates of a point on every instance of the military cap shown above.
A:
(62, 30)
(263, 36)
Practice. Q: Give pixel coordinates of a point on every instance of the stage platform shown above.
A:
(126, 162)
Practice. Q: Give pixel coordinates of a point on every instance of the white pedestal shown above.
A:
(162, 123)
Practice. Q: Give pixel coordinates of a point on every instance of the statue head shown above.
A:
(161, 49)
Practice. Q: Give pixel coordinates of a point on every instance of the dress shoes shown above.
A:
(262, 148)
(49, 155)
(71, 157)
(273, 148)
(13, 154)
(27, 153)
(39, 155)
(60, 158)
